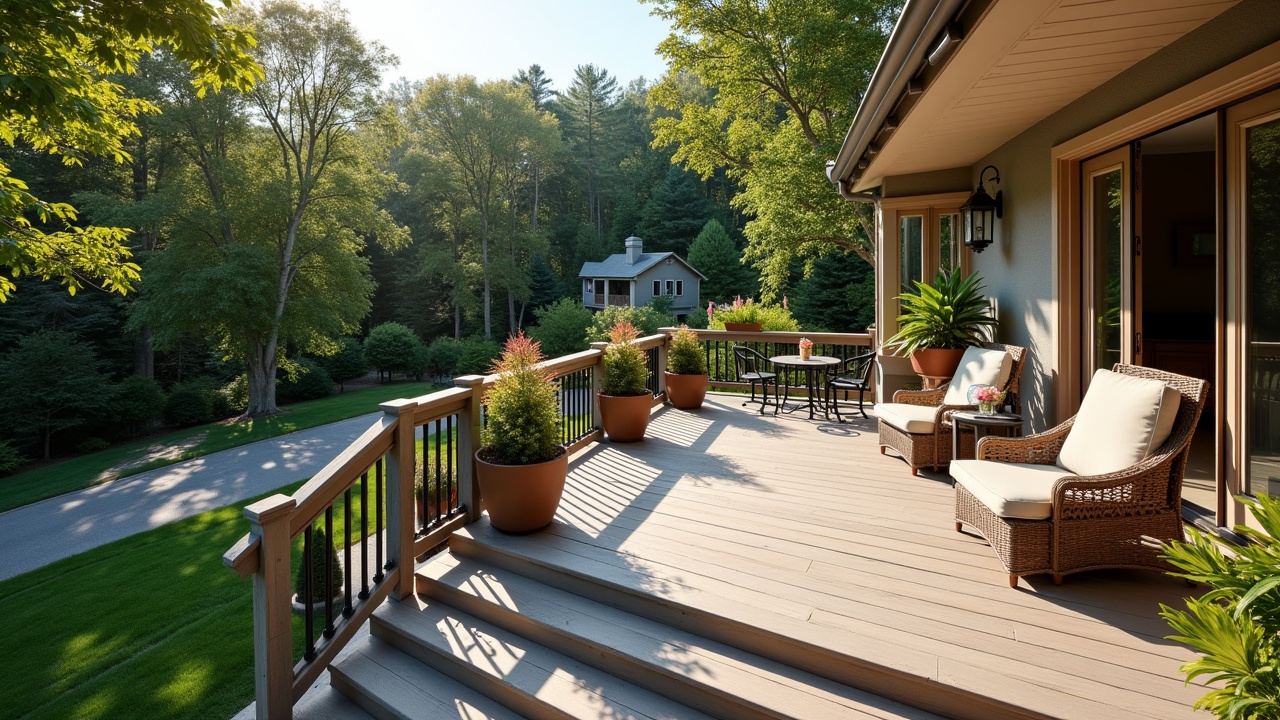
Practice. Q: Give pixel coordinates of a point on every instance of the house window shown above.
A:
(586, 286)
(679, 287)
(657, 288)
(599, 287)
(671, 287)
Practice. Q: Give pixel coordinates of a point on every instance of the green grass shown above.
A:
(151, 626)
(81, 472)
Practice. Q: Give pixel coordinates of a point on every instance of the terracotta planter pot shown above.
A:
(625, 418)
(522, 498)
(936, 362)
(686, 392)
(743, 327)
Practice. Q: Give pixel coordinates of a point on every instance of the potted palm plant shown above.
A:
(939, 321)
(521, 466)
(624, 396)
(686, 373)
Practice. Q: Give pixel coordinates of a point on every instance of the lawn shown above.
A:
(151, 626)
(81, 472)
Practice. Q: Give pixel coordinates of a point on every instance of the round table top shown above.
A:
(813, 361)
(996, 419)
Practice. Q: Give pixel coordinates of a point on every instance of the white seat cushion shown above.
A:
(916, 419)
(1012, 490)
(1122, 420)
(978, 366)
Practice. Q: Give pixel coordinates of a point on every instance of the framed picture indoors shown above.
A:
(1196, 244)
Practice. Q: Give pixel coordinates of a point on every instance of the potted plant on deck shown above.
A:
(624, 396)
(686, 373)
(939, 321)
(521, 467)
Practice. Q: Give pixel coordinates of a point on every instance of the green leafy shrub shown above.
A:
(646, 319)
(188, 404)
(523, 426)
(562, 327)
(391, 348)
(950, 313)
(322, 551)
(349, 363)
(626, 371)
(477, 355)
(10, 458)
(304, 380)
(91, 445)
(232, 399)
(443, 355)
(698, 320)
(769, 317)
(1236, 625)
(419, 363)
(685, 355)
(136, 402)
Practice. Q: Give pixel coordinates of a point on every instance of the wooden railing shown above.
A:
(375, 477)
(718, 348)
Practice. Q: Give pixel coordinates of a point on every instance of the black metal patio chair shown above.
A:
(751, 365)
(851, 374)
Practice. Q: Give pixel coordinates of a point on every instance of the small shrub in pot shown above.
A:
(686, 375)
(624, 397)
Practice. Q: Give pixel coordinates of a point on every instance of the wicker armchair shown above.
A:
(1094, 521)
(930, 444)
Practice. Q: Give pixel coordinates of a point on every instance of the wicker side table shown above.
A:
(982, 424)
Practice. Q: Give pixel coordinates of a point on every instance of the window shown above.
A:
(586, 286)
(599, 287)
(671, 287)
(679, 287)
(657, 288)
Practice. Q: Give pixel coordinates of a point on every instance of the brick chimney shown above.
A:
(633, 250)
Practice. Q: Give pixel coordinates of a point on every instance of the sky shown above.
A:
(493, 39)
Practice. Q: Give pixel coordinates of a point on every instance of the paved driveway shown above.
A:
(36, 535)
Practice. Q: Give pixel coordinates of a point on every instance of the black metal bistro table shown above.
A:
(982, 424)
(811, 368)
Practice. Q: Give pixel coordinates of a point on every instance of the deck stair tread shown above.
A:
(329, 704)
(391, 685)
(714, 677)
(888, 662)
(531, 679)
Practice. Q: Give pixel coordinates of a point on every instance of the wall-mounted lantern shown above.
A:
(978, 214)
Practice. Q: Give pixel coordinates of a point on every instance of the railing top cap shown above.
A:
(268, 509)
(468, 380)
(395, 407)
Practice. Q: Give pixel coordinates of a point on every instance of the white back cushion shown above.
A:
(978, 366)
(1122, 420)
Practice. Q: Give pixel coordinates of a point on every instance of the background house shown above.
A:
(635, 277)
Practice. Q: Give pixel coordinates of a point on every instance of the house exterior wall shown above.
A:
(1019, 269)
(675, 271)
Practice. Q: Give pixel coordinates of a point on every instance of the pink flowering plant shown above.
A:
(806, 344)
(986, 396)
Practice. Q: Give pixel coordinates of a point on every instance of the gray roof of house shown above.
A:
(615, 266)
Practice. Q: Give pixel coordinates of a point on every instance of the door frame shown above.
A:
(888, 252)
(1120, 159)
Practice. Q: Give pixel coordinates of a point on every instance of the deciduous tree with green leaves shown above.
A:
(57, 96)
(777, 83)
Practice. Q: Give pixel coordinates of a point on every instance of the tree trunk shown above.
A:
(457, 321)
(48, 435)
(484, 265)
(144, 356)
(260, 363)
(533, 215)
(511, 311)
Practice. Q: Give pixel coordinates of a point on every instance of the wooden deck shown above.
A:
(804, 529)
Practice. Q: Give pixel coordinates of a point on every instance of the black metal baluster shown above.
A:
(308, 592)
(453, 494)
(377, 487)
(328, 572)
(364, 535)
(422, 499)
(436, 513)
(346, 530)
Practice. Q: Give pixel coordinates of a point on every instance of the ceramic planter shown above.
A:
(743, 327)
(686, 392)
(522, 498)
(936, 362)
(625, 417)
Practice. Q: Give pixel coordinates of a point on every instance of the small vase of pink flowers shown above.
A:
(806, 348)
(986, 397)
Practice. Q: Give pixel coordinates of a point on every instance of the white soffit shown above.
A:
(1026, 60)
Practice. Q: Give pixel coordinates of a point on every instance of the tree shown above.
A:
(56, 59)
(675, 214)
(837, 296)
(52, 383)
(348, 363)
(536, 83)
(391, 347)
(562, 327)
(588, 111)
(268, 250)
(715, 256)
(766, 90)
(135, 402)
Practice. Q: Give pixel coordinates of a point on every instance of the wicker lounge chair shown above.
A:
(1082, 495)
(917, 423)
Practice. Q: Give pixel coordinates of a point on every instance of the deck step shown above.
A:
(704, 674)
(387, 684)
(329, 704)
(521, 674)
(898, 673)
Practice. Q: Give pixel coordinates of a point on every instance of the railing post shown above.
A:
(400, 508)
(597, 384)
(662, 365)
(272, 610)
(470, 422)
